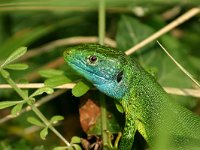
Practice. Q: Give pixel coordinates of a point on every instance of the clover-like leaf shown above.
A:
(61, 148)
(80, 89)
(55, 119)
(35, 121)
(16, 109)
(15, 55)
(42, 90)
(119, 107)
(49, 73)
(6, 104)
(44, 133)
(75, 139)
(56, 81)
(76, 147)
(17, 66)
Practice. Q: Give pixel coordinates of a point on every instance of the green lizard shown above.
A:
(147, 107)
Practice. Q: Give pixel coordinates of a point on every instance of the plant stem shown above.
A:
(103, 120)
(101, 21)
(102, 97)
(36, 110)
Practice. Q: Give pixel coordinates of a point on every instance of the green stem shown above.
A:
(36, 110)
(104, 120)
(102, 98)
(101, 21)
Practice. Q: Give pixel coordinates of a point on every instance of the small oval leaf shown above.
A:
(76, 147)
(42, 90)
(35, 121)
(75, 139)
(49, 73)
(44, 133)
(80, 89)
(119, 107)
(56, 81)
(15, 55)
(55, 119)
(61, 148)
(6, 104)
(16, 109)
(17, 66)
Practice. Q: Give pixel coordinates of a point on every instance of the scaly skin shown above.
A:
(147, 106)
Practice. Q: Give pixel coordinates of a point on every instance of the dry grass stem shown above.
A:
(183, 92)
(170, 90)
(36, 86)
(179, 66)
(186, 16)
(64, 42)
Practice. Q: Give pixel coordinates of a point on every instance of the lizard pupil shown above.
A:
(119, 76)
(92, 59)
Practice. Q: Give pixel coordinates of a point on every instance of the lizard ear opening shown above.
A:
(119, 76)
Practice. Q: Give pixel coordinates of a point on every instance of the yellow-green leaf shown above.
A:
(35, 121)
(44, 133)
(17, 66)
(77, 147)
(75, 139)
(42, 90)
(16, 109)
(55, 119)
(15, 55)
(119, 107)
(49, 73)
(80, 89)
(61, 148)
(6, 104)
(56, 81)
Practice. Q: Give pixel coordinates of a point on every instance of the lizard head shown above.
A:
(103, 66)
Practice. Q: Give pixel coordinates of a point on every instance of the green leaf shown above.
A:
(17, 66)
(131, 31)
(39, 148)
(61, 148)
(6, 104)
(119, 107)
(35, 121)
(4, 73)
(16, 109)
(77, 147)
(80, 89)
(56, 81)
(76, 139)
(44, 133)
(49, 73)
(71, 148)
(55, 119)
(15, 55)
(42, 90)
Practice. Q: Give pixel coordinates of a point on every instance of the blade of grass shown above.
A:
(179, 66)
(183, 18)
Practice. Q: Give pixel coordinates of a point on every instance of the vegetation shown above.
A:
(38, 109)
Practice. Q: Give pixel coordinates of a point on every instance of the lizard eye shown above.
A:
(92, 59)
(119, 76)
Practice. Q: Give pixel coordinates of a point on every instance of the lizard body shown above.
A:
(147, 107)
